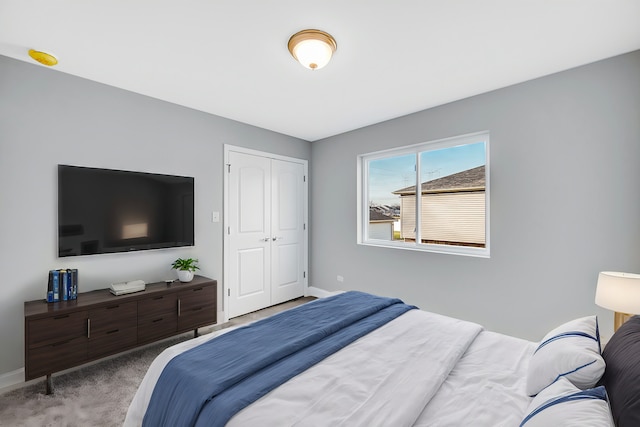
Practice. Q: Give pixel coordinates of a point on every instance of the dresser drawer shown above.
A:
(105, 320)
(112, 341)
(157, 326)
(58, 328)
(197, 297)
(56, 356)
(197, 316)
(157, 305)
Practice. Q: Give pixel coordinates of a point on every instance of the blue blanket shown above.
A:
(210, 383)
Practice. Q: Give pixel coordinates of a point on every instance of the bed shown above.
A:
(416, 368)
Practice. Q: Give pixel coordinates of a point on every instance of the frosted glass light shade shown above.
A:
(619, 291)
(312, 48)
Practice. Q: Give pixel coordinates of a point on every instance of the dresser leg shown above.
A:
(49, 385)
(195, 333)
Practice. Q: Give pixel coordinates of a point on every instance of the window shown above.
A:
(449, 214)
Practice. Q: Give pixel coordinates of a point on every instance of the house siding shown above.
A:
(381, 230)
(447, 217)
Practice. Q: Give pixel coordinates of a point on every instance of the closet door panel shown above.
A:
(249, 231)
(287, 229)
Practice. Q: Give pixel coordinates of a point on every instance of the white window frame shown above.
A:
(363, 196)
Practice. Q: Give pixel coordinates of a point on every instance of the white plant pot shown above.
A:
(185, 275)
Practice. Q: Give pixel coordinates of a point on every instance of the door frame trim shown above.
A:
(225, 214)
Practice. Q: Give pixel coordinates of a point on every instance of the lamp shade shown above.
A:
(312, 48)
(619, 291)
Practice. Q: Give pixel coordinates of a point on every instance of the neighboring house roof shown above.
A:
(469, 180)
(377, 216)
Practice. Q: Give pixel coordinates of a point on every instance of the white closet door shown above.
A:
(287, 231)
(249, 229)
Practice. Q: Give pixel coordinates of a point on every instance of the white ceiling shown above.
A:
(394, 57)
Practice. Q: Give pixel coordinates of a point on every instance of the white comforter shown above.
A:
(390, 377)
(486, 387)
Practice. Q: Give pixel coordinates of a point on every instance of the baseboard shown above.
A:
(312, 291)
(13, 380)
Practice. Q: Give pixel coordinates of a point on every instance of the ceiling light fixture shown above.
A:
(43, 57)
(312, 48)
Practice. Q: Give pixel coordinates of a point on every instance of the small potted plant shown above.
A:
(185, 268)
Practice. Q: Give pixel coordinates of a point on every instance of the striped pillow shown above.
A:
(563, 404)
(570, 351)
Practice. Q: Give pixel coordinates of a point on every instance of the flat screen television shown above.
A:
(105, 211)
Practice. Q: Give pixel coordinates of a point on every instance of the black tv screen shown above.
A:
(105, 211)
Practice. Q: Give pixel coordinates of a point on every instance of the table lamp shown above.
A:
(619, 292)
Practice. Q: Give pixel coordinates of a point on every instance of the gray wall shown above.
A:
(47, 118)
(565, 202)
(564, 196)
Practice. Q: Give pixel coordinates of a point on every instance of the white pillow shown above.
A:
(564, 405)
(571, 351)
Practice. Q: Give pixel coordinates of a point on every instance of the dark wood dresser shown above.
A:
(65, 334)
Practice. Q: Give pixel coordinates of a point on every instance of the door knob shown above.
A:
(276, 238)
